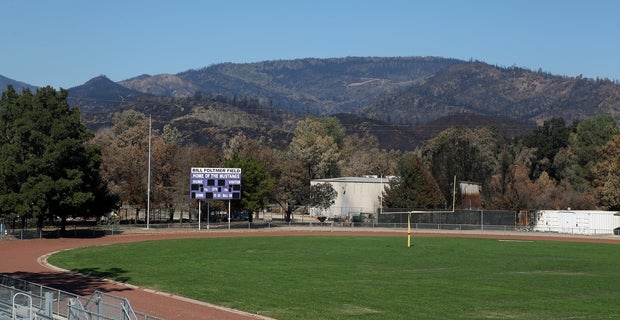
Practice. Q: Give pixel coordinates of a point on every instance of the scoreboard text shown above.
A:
(215, 183)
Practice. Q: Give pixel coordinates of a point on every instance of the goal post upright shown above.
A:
(409, 213)
(419, 212)
(409, 230)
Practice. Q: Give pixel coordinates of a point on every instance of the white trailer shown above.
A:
(577, 221)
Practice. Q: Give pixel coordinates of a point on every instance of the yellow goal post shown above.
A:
(409, 213)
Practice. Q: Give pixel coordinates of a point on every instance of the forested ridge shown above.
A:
(402, 100)
(405, 100)
(402, 90)
(515, 93)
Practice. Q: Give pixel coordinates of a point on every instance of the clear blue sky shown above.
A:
(65, 43)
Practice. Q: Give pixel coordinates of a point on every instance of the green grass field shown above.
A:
(372, 277)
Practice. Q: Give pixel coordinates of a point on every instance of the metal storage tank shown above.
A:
(355, 196)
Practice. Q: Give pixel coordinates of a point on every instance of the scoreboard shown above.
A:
(215, 183)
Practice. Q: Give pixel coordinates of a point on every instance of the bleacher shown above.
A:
(21, 299)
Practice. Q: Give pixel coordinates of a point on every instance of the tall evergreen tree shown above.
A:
(48, 168)
(413, 187)
(548, 139)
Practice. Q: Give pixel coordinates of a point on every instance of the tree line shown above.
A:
(52, 167)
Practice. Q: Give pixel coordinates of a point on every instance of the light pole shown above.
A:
(148, 188)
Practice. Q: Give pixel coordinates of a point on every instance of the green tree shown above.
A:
(334, 129)
(468, 154)
(590, 135)
(315, 146)
(321, 195)
(574, 163)
(256, 184)
(48, 167)
(548, 139)
(288, 173)
(413, 187)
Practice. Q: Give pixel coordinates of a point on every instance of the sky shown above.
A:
(65, 43)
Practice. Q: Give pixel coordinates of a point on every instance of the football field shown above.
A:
(359, 277)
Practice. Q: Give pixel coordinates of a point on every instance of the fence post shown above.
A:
(48, 306)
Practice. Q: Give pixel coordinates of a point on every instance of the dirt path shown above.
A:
(25, 259)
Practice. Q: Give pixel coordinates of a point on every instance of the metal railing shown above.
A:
(49, 303)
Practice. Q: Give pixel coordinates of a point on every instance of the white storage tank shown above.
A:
(588, 222)
(355, 196)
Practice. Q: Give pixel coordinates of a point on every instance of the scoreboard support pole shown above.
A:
(199, 214)
(228, 214)
(208, 216)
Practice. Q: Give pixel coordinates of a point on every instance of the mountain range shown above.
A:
(401, 100)
(18, 85)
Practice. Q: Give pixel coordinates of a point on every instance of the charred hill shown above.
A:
(401, 100)
(481, 89)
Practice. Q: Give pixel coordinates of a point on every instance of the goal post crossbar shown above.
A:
(421, 211)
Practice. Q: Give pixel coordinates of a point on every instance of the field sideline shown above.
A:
(25, 253)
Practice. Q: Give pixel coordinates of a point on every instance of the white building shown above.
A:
(576, 221)
(356, 196)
